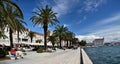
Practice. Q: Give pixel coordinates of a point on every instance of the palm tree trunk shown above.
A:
(67, 43)
(31, 38)
(11, 38)
(18, 36)
(70, 43)
(60, 43)
(53, 45)
(45, 36)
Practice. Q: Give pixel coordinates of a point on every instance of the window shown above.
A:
(25, 40)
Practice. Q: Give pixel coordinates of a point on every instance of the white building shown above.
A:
(24, 38)
(98, 42)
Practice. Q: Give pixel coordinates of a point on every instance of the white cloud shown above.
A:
(109, 28)
(41, 3)
(106, 22)
(88, 38)
(81, 20)
(92, 5)
(89, 6)
(110, 34)
(63, 6)
(115, 18)
(85, 17)
(65, 25)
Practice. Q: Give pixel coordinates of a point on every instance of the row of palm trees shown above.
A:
(11, 17)
(45, 17)
(62, 34)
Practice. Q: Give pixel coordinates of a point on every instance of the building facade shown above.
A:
(24, 38)
(98, 42)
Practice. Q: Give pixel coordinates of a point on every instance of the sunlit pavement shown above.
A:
(59, 57)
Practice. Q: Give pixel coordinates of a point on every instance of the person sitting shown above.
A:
(13, 52)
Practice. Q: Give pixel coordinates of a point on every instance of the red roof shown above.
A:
(27, 29)
(39, 34)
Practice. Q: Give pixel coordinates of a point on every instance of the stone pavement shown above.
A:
(59, 57)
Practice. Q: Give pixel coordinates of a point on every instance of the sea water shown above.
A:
(104, 54)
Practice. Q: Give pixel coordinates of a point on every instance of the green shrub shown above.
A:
(82, 43)
(40, 50)
(3, 53)
(24, 53)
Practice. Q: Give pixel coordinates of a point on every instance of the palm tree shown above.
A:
(45, 17)
(2, 28)
(68, 36)
(12, 16)
(53, 40)
(3, 3)
(5, 17)
(2, 35)
(20, 28)
(2, 22)
(60, 32)
(31, 35)
(75, 41)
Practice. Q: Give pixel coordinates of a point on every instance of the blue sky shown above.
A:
(88, 19)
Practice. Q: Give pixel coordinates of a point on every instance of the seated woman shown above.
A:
(13, 52)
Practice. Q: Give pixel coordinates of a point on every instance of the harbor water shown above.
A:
(104, 54)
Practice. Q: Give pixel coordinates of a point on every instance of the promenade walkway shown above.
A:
(59, 57)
